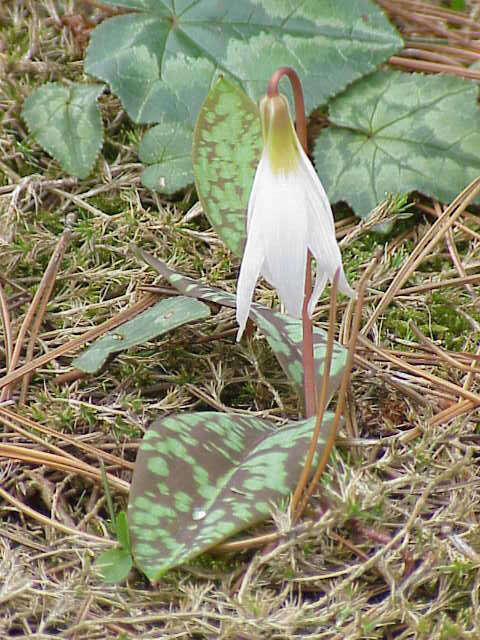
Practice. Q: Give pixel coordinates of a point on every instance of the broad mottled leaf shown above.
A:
(227, 144)
(66, 122)
(201, 477)
(283, 333)
(162, 317)
(114, 565)
(399, 132)
(329, 43)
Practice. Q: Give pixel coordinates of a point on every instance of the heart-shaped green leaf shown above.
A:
(162, 317)
(227, 145)
(167, 148)
(284, 333)
(201, 477)
(399, 132)
(330, 43)
(66, 122)
(114, 565)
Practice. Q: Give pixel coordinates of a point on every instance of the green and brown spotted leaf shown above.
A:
(201, 477)
(283, 333)
(164, 316)
(227, 144)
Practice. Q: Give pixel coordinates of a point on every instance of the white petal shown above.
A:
(253, 258)
(278, 219)
(288, 213)
(321, 234)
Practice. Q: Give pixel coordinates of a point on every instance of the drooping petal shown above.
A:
(253, 258)
(279, 220)
(288, 214)
(321, 233)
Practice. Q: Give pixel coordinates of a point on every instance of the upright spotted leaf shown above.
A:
(226, 149)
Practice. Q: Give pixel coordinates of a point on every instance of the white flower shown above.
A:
(288, 213)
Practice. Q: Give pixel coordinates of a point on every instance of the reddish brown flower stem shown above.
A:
(301, 127)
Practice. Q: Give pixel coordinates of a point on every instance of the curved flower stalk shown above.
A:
(288, 216)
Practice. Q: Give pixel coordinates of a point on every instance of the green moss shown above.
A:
(437, 317)
(108, 203)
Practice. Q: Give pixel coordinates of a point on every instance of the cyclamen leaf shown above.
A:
(66, 122)
(227, 144)
(168, 149)
(283, 333)
(330, 43)
(399, 132)
(201, 477)
(162, 317)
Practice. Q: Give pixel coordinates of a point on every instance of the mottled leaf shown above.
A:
(66, 122)
(201, 477)
(399, 132)
(283, 333)
(114, 565)
(162, 317)
(330, 43)
(226, 150)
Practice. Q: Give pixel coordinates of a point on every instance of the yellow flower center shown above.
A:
(279, 135)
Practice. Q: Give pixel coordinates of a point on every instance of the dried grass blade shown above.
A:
(42, 307)
(343, 387)
(61, 462)
(37, 305)
(92, 451)
(435, 380)
(76, 343)
(424, 247)
(322, 400)
(53, 523)
(7, 327)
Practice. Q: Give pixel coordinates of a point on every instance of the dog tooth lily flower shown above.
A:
(288, 215)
